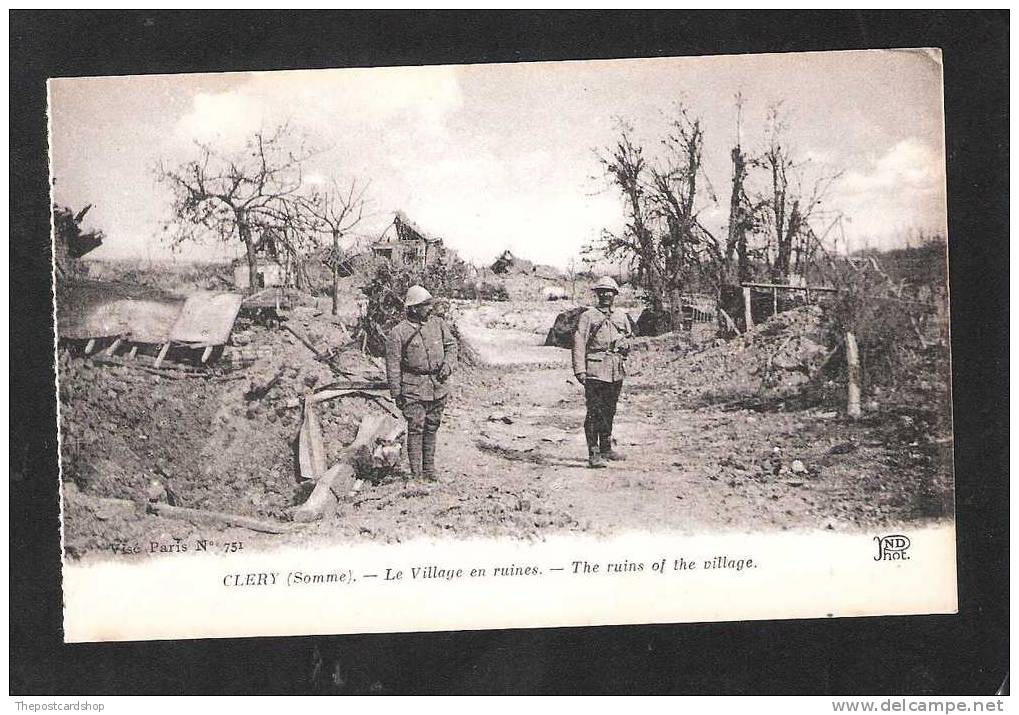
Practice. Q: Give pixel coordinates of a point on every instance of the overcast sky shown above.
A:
(504, 156)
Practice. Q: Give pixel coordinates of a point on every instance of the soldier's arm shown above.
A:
(394, 346)
(449, 346)
(627, 323)
(580, 344)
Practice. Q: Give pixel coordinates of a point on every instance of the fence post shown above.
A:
(853, 365)
(747, 316)
(774, 302)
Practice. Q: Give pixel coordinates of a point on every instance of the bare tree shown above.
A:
(335, 210)
(251, 195)
(664, 239)
(628, 170)
(687, 247)
(788, 204)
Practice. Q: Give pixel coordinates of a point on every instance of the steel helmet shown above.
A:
(416, 295)
(606, 283)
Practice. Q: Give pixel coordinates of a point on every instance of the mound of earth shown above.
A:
(224, 440)
(778, 356)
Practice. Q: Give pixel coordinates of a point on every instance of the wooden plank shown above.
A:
(321, 497)
(311, 455)
(162, 354)
(134, 351)
(90, 345)
(780, 286)
(340, 479)
(206, 353)
(113, 347)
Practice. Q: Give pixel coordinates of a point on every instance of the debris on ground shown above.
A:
(779, 356)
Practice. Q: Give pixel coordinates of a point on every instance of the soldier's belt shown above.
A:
(415, 371)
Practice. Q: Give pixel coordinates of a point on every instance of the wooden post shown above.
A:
(113, 348)
(747, 315)
(90, 345)
(774, 301)
(336, 271)
(206, 353)
(853, 365)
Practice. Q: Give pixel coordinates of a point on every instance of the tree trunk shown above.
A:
(336, 271)
(249, 244)
(785, 243)
(737, 225)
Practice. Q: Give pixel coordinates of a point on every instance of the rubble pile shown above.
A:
(778, 356)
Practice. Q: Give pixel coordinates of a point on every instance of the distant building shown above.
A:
(412, 248)
(270, 273)
(507, 262)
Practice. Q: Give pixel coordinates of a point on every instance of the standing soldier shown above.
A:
(420, 355)
(600, 346)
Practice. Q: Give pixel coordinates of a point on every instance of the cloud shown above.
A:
(220, 116)
(909, 165)
(900, 191)
(327, 102)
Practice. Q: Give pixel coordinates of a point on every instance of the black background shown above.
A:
(963, 654)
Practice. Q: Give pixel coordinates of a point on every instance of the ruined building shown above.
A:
(412, 246)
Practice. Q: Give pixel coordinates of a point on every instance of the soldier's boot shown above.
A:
(594, 459)
(608, 452)
(414, 454)
(428, 455)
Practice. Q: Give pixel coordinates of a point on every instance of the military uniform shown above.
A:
(599, 346)
(419, 358)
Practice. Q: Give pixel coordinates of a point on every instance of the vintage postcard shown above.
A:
(503, 346)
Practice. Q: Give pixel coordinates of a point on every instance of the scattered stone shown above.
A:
(798, 467)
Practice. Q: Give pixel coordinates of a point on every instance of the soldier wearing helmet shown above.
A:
(420, 355)
(600, 346)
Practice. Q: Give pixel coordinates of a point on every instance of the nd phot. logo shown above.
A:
(892, 547)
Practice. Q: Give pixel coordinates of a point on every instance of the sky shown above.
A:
(500, 156)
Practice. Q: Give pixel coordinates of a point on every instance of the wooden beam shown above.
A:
(781, 286)
(162, 354)
(113, 347)
(202, 516)
(377, 443)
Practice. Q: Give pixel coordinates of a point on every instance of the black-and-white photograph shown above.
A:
(505, 303)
